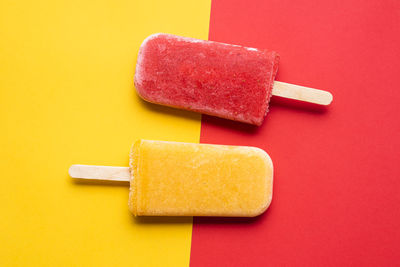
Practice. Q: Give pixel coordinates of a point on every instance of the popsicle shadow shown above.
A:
(93, 182)
(248, 129)
(161, 220)
(189, 115)
(298, 106)
(231, 220)
(199, 220)
(216, 122)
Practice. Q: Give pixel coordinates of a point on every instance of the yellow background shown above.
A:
(66, 97)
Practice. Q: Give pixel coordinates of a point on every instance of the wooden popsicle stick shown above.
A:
(301, 93)
(107, 173)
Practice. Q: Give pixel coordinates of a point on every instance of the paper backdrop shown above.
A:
(67, 96)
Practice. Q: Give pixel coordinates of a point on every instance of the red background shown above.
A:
(337, 175)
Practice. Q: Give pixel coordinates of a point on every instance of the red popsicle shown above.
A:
(223, 80)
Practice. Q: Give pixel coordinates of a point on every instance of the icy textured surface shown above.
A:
(183, 179)
(223, 80)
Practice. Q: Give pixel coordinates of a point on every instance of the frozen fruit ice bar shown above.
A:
(184, 179)
(218, 79)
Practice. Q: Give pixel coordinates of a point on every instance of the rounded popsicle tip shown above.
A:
(73, 171)
(150, 37)
(139, 63)
(328, 98)
(263, 206)
(140, 71)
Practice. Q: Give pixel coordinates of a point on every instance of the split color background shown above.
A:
(66, 96)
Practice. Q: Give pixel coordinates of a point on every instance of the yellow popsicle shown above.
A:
(184, 179)
(187, 179)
